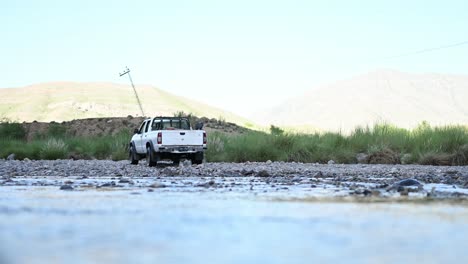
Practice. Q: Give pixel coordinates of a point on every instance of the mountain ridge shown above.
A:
(400, 98)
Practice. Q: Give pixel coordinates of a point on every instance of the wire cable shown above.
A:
(427, 50)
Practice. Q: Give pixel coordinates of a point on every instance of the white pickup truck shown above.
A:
(170, 138)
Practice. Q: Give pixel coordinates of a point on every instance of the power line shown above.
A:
(427, 50)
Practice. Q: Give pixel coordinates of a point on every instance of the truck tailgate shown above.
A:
(182, 137)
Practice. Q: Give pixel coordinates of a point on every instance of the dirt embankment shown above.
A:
(112, 125)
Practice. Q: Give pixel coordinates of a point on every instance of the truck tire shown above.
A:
(198, 158)
(175, 161)
(132, 155)
(151, 157)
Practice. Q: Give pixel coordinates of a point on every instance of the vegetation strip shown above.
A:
(380, 144)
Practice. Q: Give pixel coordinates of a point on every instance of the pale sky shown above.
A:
(242, 56)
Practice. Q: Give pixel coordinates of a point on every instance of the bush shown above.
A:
(12, 131)
(56, 131)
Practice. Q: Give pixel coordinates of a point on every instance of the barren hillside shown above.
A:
(64, 101)
(399, 98)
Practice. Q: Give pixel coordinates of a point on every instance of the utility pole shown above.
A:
(127, 71)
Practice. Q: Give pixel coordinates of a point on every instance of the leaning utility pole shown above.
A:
(127, 71)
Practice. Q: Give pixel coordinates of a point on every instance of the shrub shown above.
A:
(436, 159)
(276, 130)
(12, 131)
(56, 131)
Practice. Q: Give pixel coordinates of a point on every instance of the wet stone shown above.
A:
(405, 183)
(263, 173)
(158, 185)
(66, 187)
(125, 181)
(247, 172)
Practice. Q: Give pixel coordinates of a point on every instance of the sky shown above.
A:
(242, 56)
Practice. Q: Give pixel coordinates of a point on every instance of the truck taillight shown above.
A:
(159, 139)
(204, 137)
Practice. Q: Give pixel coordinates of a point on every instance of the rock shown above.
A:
(263, 173)
(158, 185)
(66, 187)
(125, 181)
(168, 172)
(206, 184)
(297, 179)
(451, 172)
(268, 162)
(330, 162)
(399, 186)
(12, 156)
(247, 172)
(404, 192)
(26, 159)
(107, 184)
(319, 175)
(362, 158)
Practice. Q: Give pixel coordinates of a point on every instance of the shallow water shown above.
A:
(41, 224)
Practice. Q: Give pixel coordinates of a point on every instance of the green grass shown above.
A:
(56, 144)
(382, 143)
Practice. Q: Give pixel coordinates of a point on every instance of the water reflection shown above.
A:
(167, 226)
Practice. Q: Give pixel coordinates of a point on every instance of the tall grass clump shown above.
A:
(54, 149)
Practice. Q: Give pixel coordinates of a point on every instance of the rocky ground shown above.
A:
(342, 180)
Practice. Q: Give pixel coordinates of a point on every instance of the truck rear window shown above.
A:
(171, 124)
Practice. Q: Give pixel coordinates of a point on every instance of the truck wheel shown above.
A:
(132, 155)
(175, 161)
(151, 157)
(198, 158)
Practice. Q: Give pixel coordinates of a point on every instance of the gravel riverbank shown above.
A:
(97, 211)
(346, 180)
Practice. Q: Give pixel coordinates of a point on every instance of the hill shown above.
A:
(402, 99)
(64, 101)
